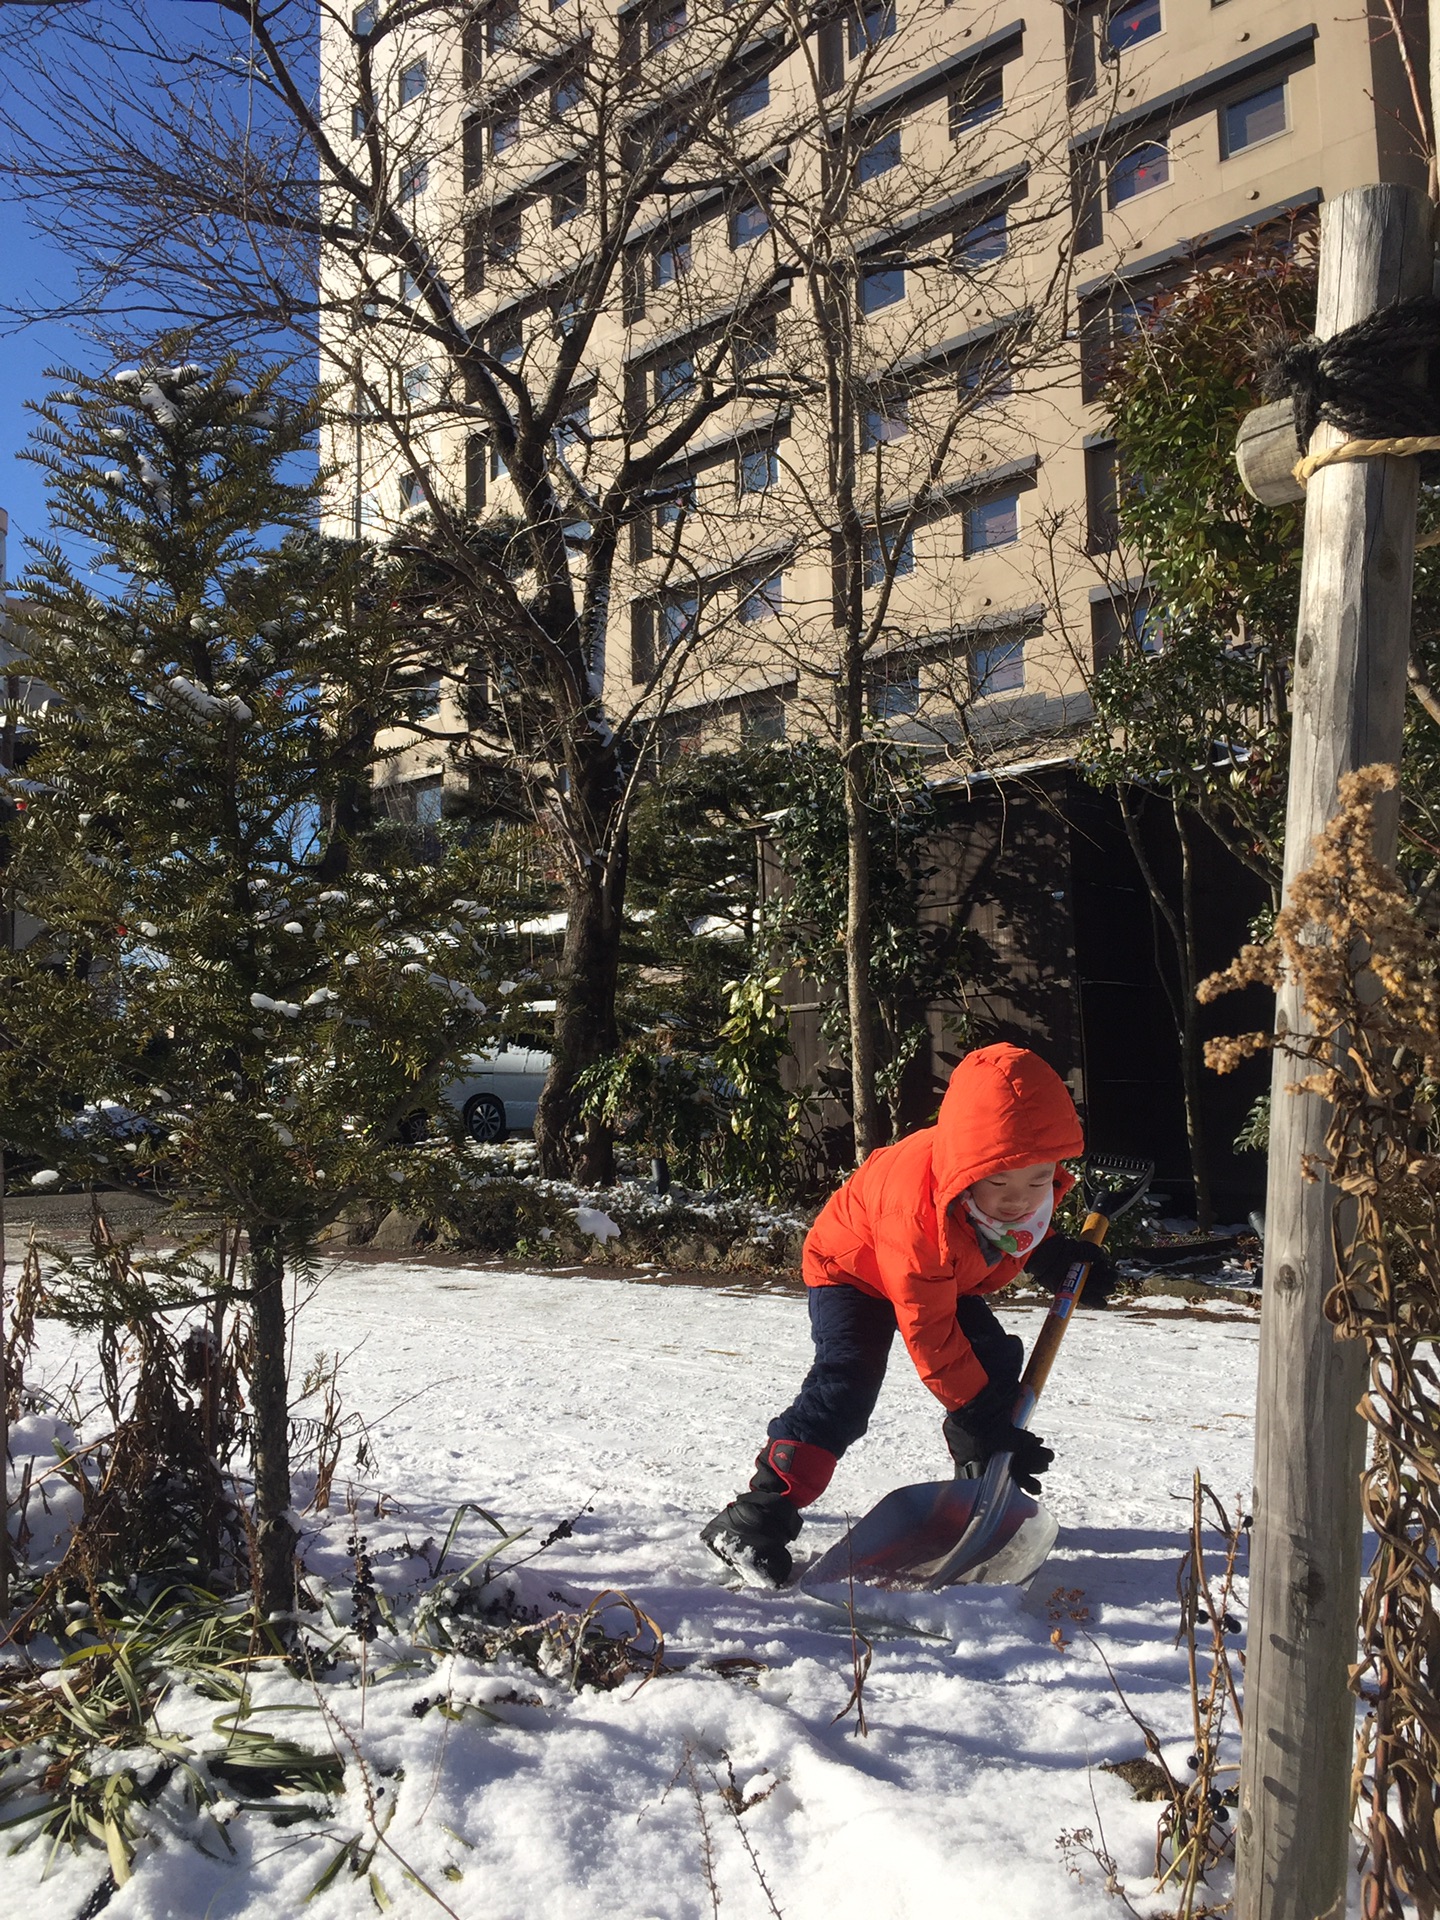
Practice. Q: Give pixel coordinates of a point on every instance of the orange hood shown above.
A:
(1004, 1108)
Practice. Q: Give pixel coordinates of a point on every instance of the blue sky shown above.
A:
(30, 268)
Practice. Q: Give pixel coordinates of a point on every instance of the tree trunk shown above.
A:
(585, 1028)
(869, 1118)
(275, 1536)
(1181, 995)
(1190, 1043)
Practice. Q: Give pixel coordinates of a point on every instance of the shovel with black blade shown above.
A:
(943, 1533)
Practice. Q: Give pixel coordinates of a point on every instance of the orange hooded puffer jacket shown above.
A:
(889, 1229)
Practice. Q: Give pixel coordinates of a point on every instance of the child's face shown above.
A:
(1013, 1195)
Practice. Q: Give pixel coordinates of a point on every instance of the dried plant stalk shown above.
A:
(1369, 967)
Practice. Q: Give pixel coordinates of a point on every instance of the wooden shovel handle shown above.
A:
(1047, 1343)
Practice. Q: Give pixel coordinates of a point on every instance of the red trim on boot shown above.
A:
(805, 1470)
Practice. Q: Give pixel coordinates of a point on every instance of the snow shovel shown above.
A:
(943, 1533)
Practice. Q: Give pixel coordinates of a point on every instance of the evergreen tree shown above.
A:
(247, 975)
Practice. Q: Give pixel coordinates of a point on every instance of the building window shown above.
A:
(748, 222)
(755, 346)
(992, 523)
(762, 720)
(423, 700)
(414, 179)
(499, 465)
(678, 615)
(758, 467)
(415, 489)
(753, 98)
(984, 243)
(567, 92)
(666, 22)
(881, 287)
(1124, 625)
(567, 200)
(1259, 116)
(502, 25)
(359, 122)
(1102, 498)
(987, 378)
(671, 260)
(999, 668)
(870, 23)
(886, 418)
(674, 379)
(504, 132)
(763, 600)
(569, 314)
(472, 152)
(417, 384)
(879, 157)
(1130, 23)
(477, 456)
(412, 82)
(504, 241)
(896, 693)
(980, 98)
(363, 21)
(882, 559)
(409, 287)
(506, 342)
(677, 505)
(574, 429)
(360, 218)
(1143, 168)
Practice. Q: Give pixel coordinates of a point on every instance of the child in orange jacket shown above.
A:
(914, 1241)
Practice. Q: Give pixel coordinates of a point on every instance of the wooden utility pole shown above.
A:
(1352, 645)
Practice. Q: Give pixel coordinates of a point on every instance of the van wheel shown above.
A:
(484, 1118)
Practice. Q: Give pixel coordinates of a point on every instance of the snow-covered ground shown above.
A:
(539, 1395)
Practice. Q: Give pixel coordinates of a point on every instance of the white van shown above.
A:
(496, 1094)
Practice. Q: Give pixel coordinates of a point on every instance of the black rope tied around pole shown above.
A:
(1351, 380)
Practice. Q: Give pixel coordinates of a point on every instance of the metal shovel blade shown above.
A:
(914, 1540)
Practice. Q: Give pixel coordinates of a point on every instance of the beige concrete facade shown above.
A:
(1112, 145)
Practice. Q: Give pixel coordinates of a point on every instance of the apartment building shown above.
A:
(1017, 179)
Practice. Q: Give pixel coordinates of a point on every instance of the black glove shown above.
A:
(1053, 1259)
(975, 1432)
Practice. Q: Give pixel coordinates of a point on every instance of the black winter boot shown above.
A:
(754, 1532)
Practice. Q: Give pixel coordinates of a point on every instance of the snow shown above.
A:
(592, 1221)
(636, 1409)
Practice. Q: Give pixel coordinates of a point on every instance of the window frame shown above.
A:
(985, 106)
(889, 409)
(872, 276)
(761, 600)
(406, 92)
(679, 249)
(974, 508)
(747, 460)
(1114, 176)
(1110, 48)
(859, 37)
(1228, 149)
(503, 24)
(875, 568)
(973, 248)
(890, 141)
(1002, 656)
(752, 99)
(897, 696)
(738, 213)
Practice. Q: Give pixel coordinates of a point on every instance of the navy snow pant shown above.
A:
(852, 1333)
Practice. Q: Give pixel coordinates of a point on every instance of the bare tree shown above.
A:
(663, 340)
(477, 219)
(925, 207)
